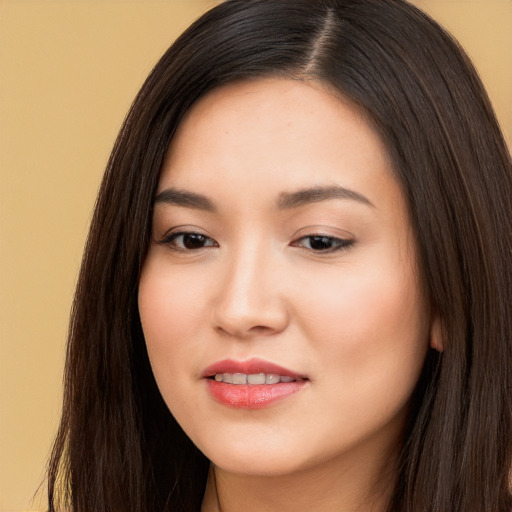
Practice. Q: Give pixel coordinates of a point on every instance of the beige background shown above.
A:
(68, 73)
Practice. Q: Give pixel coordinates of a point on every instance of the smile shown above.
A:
(252, 379)
(252, 384)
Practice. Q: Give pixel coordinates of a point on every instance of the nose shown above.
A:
(250, 301)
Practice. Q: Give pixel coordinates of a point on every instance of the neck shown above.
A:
(361, 487)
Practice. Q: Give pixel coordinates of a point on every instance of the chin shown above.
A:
(259, 466)
(267, 458)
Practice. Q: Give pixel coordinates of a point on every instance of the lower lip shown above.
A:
(252, 396)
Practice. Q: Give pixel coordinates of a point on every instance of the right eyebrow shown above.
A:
(174, 196)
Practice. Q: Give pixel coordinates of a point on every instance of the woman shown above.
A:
(296, 289)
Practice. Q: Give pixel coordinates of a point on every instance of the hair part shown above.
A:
(118, 446)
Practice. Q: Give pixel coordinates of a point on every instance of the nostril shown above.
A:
(257, 330)
(261, 329)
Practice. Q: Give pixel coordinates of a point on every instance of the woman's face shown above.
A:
(280, 298)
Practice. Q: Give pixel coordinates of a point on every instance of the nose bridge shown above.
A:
(249, 299)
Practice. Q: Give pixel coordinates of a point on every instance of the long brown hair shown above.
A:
(118, 447)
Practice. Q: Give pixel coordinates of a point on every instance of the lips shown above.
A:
(252, 366)
(252, 384)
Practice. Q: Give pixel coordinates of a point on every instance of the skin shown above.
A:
(354, 321)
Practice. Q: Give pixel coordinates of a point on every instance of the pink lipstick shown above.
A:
(252, 384)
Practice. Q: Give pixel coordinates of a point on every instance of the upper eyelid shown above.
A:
(174, 234)
(185, 229)
(323, 230)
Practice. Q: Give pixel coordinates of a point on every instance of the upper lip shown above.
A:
(249, 367)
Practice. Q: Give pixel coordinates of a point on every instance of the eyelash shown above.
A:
(171, 241)
(337, 244)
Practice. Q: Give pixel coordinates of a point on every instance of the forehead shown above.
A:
(285, 133)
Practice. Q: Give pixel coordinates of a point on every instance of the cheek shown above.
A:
(170, 312)
(371, 327)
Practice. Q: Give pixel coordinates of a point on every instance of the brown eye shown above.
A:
(189, 241)
(323, 243)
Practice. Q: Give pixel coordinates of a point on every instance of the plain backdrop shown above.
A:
(69, 70)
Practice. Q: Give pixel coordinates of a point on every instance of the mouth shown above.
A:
(252, 384)
(252, 379)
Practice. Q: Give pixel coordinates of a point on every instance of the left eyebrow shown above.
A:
(316, 194)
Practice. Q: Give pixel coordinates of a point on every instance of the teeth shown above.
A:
(256, 379)
(252, 379)
(239, 378)
(272, 378)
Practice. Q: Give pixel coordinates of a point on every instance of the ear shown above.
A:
(436, 334)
